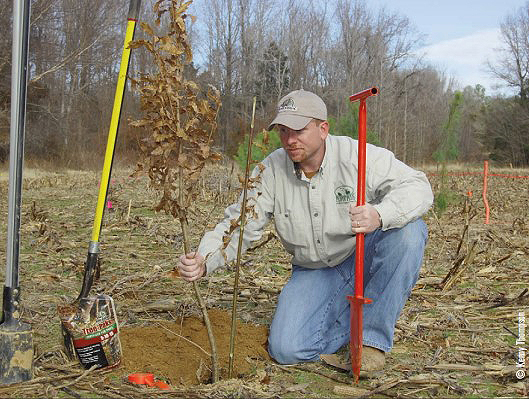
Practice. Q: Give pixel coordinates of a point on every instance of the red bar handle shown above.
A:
(361, 95)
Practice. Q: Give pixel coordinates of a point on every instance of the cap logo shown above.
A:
(287, 105)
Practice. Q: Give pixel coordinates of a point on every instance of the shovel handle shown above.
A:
(89, 273)
(114, 120)
(93, 251)
(19, 76)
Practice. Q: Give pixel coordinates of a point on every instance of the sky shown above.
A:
(460, 35)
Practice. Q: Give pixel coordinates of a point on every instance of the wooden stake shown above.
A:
(239, 247)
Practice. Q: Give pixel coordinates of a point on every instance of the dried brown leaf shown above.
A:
(147, 28)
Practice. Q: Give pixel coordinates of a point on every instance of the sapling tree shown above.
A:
(181, 120)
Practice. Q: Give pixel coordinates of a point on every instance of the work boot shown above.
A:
(373, 360)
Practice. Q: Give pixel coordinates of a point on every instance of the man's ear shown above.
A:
(324, 129)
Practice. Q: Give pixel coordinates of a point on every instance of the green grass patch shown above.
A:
(318, 386)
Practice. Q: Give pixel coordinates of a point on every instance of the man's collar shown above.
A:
(326, 156)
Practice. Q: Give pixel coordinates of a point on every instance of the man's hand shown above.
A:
(364, 219)
(191, 266)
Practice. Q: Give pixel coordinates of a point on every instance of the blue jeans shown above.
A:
(313, 316)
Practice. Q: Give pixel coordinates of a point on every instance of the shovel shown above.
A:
(94, 246)
(357, 301)
(16, 338)
(89, 324)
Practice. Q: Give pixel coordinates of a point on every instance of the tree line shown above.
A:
(266, 48)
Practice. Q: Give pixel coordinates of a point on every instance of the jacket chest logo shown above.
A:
(344, 194)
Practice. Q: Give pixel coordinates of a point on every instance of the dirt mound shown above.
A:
(175, 351)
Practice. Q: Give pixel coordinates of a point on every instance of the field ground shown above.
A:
(456, 337)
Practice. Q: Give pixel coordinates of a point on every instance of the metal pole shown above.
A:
(18, 117)
(16, 338)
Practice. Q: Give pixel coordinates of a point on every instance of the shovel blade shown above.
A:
(356, 335)
(16, 352)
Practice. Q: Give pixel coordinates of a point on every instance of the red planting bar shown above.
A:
(357, 301)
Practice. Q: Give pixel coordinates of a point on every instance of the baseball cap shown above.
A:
(298, 108)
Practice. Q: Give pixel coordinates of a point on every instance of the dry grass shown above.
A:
(451, 342)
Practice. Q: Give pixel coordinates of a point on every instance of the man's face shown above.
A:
(305, 146)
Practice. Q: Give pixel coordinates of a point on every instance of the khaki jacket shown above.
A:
(311, 216)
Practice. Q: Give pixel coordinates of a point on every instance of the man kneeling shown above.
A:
(309, 188)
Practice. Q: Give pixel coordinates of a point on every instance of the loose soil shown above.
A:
(174, 351)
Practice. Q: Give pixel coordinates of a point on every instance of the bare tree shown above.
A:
(505, 133)
(223, 57)
(354, 26)
(472, 124)
(257, 21)
(304, 37)
(74, 49)
(512, 66)
(236, 35)
(246, 48)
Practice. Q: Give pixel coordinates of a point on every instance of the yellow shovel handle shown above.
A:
(114, 122)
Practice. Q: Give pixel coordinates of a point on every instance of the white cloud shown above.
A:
(464, 58)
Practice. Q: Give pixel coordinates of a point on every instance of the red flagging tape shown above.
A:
(508, 176)
(478, 174)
